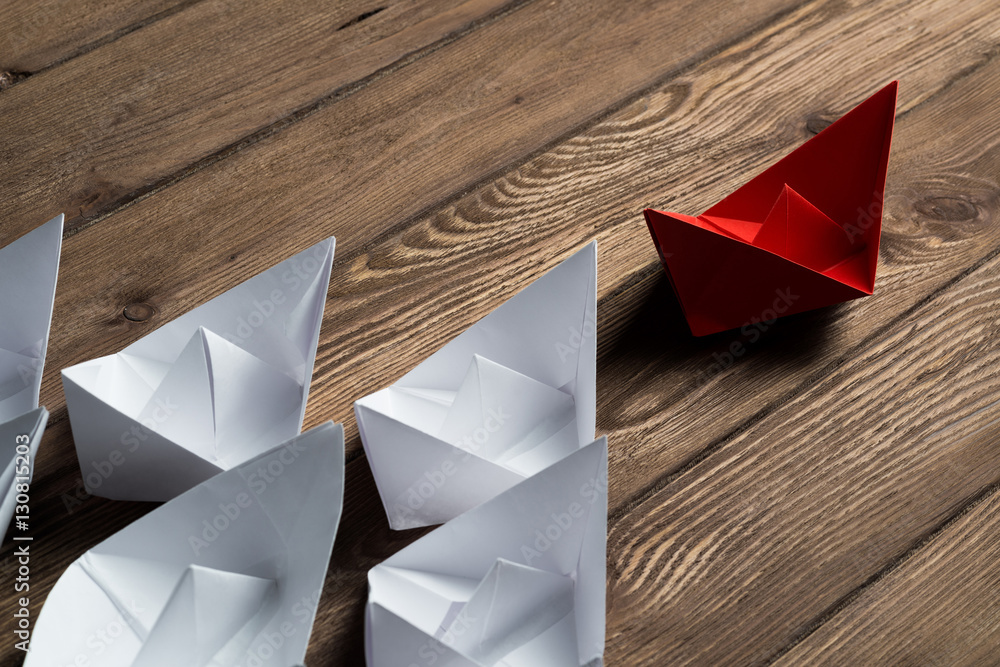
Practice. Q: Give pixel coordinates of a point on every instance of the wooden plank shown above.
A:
(733, 560)
(485, 220)
(940, 607)
(160, 115)
(37, 35)
(156, 110)
(404, 284)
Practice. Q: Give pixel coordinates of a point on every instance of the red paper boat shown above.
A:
(801, 235)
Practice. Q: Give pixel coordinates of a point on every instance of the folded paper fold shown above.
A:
(518, 581)
(29, 267)
(21, 437)
(205, 392)
(28, 272)
(801, 235)
(207, 608)
(211, 577)
(505, 399)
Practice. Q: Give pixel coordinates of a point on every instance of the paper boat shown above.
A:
(21, 437)
(228, 574)
(513, 394)
(518, 581)
(214, 388)
(801, 235)
(28, 270)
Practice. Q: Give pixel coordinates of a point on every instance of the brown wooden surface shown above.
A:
(828, 497)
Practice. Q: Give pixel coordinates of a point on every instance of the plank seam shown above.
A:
(106, 39)
(881, 333)
(344, 92)
(291, 118)
(678, 70)
(983, 496)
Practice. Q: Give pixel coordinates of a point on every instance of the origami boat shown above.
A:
(228, 574)
(505, 399)
(28, 270)
(205, 392)
(801, 235)
(518, 581)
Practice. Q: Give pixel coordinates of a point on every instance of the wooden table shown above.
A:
(830, 496)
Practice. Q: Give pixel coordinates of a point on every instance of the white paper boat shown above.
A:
(29, 268)
(510, 396)
(518, 581)
(228, 574)
(205, 392)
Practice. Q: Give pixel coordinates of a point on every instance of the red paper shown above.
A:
(801, 235)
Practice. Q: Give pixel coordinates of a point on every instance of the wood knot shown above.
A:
(8, 79)
(138, 312)
(817, 122)
(947, 209)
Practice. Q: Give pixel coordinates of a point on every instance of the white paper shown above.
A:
(20, 437)
(518, 581)
(29, 267)
(227, 574)
(205, 392)
(510, 396)
(28, 271)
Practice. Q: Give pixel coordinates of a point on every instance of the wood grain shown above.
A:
(156, 110)
(265, 202)
(749, 502)
(717, 567)
(37, 35)
(195, 216)
(159, 115)
(940, 607)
